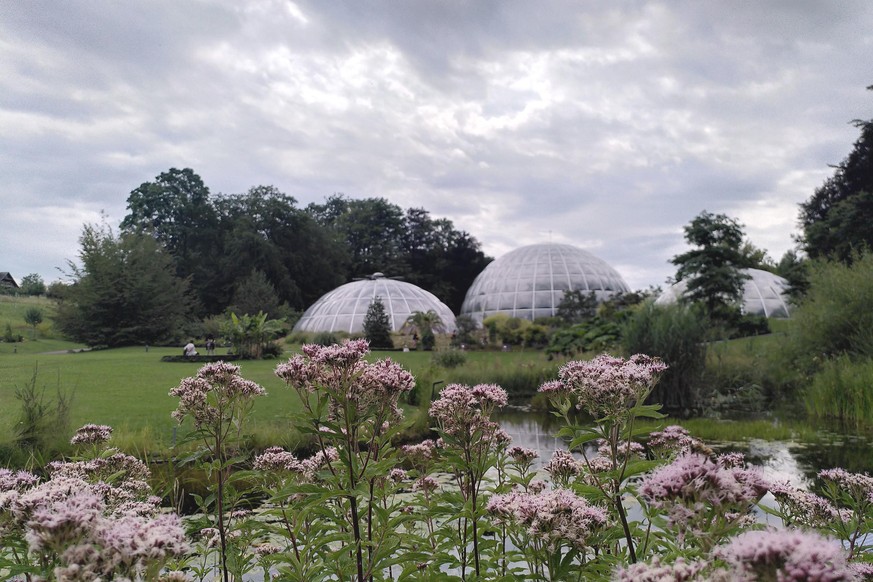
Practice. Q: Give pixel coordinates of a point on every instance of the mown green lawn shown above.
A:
(127, 388)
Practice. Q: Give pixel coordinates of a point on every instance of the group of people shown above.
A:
(190, 350)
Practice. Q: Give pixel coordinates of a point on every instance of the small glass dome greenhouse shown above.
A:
(764, 293)
(530, 281)
(345, 308)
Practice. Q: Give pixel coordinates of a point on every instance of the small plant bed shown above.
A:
(201, 359)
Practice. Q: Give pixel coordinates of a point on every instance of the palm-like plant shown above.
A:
(425, 323)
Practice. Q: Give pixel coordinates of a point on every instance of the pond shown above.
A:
(796, 461)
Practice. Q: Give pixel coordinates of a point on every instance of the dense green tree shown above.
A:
(576, 307)
(372, 230)
(712, 266)
(838, 219)
(377, 326)
(256, 294)
(32, 284)
(793, 269)
(124, 292)
(264, 230)
(177, 211)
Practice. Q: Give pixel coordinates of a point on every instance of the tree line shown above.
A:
(182, 253)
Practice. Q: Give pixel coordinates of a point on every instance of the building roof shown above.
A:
(529, 282)
(6, 280)
(764, 293)
(345, 308)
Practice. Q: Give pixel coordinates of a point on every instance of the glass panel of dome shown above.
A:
(523, 301)
(506, 301)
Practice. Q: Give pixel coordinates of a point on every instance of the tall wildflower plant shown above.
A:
(217, 399)
(470, 445)
(612, 391)
(350, 407)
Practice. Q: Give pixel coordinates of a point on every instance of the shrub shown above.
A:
(41, 418)
(676, 334)
(449, 359)
(325, 338)
(836, 315)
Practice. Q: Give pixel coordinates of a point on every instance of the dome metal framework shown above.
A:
(344, 308)
(529, 282)
(764, 293)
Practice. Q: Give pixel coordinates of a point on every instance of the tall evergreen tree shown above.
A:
(712, 266)
(377, 326)
(125, 291)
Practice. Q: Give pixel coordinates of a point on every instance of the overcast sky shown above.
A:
(607, 125)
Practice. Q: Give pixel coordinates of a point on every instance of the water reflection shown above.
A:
(797, 462)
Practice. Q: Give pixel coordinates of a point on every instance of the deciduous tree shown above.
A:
(838, 219)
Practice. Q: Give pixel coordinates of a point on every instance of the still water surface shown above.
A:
(796, 461)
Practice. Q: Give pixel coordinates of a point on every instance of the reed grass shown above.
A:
(842, 390)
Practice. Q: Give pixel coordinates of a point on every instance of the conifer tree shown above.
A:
(377, 327)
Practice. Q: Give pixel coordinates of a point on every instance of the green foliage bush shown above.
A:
(595, 335)
(449, 359)
(836, 315)
(325, 338)
(677, 334)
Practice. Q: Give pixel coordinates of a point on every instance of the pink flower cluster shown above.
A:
(341, 372)
(92, 434)
(785, 555)
(121, 480)
(802, 507)
(277, 459)
(632, 449)
(563, 466)
(554, 517)
(95, 517)
(217, 387)
(693, 486)
(606, 385)
(679, 571)
(859, 486)
(675, 440)
(522, 455)
(462, 411)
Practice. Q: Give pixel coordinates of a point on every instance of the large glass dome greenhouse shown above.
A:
(345, 308)
(530, 281)
(764, 293)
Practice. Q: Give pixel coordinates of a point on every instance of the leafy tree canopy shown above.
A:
(32, 284)
(838, 219)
